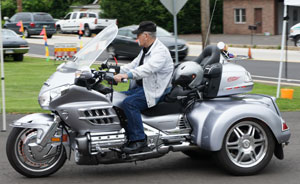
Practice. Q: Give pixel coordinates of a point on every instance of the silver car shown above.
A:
(13, 45)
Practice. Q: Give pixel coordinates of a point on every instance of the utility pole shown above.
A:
(205, 17)
(19, 5)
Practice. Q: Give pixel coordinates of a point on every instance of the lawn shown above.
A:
(23, 81)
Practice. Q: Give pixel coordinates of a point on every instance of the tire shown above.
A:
(297, 41)
(87, 31)
(18, 57)
(58, 30)
(23, 158)
(198, 154)
(26, 33)
(49, 36)
(247, 148)
(112, 51)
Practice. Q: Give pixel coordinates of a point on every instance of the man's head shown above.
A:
(146, 33)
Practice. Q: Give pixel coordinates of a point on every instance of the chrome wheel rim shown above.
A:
(26, 33)
(298, 43)
(27, 157)
(87, 31)
(246, 144)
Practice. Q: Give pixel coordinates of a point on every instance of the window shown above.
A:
(240, 15)
(92, 15)
(74, 15)
(83, 15)
(42, 17)
(123, 32)
(295, 15)
(67, 17)
(25, 17)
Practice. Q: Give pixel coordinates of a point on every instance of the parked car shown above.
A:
(125, 43)
(89, 20)
(33, 23)
(13, 45)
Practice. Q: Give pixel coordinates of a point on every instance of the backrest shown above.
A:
(210, 55)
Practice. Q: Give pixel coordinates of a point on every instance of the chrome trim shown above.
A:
(97, 117)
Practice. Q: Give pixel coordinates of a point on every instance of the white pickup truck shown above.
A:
(89, 20)
(295, 34)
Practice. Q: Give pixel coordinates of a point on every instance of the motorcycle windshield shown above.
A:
(92, 50)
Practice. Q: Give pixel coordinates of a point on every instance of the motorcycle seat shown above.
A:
(164, 108)
(210, 55)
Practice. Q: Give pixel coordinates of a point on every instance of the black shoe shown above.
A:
(135, 146)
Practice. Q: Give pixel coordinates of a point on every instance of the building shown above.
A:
(266, 15)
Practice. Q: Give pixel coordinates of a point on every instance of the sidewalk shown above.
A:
(257, 54)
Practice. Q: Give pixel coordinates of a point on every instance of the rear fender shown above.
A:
(210, 126)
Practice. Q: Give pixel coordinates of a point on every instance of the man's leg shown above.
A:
(132, 106)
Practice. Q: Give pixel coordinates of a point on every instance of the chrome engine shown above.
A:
(104, 147)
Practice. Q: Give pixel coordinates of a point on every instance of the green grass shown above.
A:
(23, 81)
(283, 104)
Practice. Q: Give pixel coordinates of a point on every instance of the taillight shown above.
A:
(284, 126)
(32, 24)
(96, 21)
(54, 25)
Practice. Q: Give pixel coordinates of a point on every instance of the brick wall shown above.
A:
(268, 16)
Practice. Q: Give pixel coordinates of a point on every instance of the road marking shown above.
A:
(273, 82)
(275, 78)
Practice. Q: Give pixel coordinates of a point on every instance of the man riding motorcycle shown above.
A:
(151, 72)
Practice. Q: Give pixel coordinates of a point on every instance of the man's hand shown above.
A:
(119, 77)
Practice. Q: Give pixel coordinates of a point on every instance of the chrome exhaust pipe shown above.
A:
(164, 149)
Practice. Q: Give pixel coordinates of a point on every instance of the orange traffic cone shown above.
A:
(249, 53)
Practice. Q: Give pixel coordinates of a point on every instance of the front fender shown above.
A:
(211, 120)
(45, 123)
(36, 120)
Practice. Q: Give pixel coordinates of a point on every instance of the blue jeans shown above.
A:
(132, 106)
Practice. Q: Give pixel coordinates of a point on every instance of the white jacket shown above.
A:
(156, 71)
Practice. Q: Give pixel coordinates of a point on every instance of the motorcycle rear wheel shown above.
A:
(24, 160)
(248, 147)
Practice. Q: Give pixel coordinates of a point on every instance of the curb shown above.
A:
(272, 47)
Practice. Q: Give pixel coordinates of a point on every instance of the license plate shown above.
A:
(45, 26)
(9, 51)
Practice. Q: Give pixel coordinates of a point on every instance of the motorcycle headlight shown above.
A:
(51, 95)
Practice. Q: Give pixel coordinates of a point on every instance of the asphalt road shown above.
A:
(174, 168)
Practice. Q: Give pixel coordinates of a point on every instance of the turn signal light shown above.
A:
(57, 139)
(284, 126)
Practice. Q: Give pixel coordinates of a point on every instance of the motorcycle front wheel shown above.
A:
(33, 161)
(248, 147)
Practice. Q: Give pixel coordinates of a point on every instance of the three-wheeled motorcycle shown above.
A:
(208, 109)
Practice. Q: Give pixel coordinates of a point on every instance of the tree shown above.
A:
(8, 8)
(57, 8)
(132, 12)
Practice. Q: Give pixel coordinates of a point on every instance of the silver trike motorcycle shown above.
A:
(243, 131)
